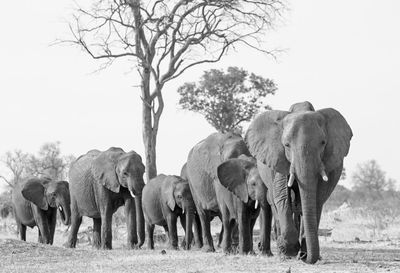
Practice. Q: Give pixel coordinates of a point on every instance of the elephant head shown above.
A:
(241, 177)
(114, 168)
(45, 193)
(176, 192)
(307, 146)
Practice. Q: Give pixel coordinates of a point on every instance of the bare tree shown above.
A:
(49, 162)
(165, 38)
(16, 162)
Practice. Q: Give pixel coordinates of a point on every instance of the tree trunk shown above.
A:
(149, 133)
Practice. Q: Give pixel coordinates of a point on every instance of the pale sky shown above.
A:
(341, 54)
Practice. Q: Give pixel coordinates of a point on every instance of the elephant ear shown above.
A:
(232, 175)
(339, 135)
(34, 192)
(264, 140)
(104, 168)
(169, 192)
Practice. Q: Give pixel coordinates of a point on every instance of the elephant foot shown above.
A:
(172, 247)
(267, 253)
(150, 246)
(208, 248)
(69, 244)
(106, 247)
(132, 246)
(139, 245)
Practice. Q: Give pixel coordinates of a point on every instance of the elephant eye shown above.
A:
(323, 142)
(125, 174)
(287, 145)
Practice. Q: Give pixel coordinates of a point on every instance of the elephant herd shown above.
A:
(285, 167)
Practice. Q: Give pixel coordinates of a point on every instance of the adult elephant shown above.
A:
(35, 203)
(208, 166)
(101, 182)
(302, 149)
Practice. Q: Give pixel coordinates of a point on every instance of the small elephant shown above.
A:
(301, 149)
(36, 201)
(101, 182)
(164, 199)
(240, 176)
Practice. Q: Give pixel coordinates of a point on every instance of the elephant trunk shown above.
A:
(139, 220)
(308, 172)
(189, 215)
(65, 212)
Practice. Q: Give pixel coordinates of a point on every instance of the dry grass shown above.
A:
(18, 256)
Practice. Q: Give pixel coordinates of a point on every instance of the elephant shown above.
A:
(35, 203)
(303, 150)
(241, 177)
(101, 182)
(208, 171)
(164, 199)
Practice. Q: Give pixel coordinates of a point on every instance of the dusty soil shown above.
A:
(18, 256)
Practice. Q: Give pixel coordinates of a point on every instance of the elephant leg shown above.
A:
(76, 221)
(97, 232)
(244, 231)
(221, 236)
(234, 234)
(52, 226)
(208, 244)
(226, 231)
(106, 228)
(130, 214)
(167, 232)
(183, 224)
(150, 235)
(197, 232)
(42, 224)
(22, 231)
(172, 231)
(252, 223)
(265, 229)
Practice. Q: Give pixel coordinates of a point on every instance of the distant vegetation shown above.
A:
(227, 99)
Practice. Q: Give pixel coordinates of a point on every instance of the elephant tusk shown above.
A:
(183, 210)
(60, 208)
(291, 180)
(324, 176)
(256, 205)
(132, 194)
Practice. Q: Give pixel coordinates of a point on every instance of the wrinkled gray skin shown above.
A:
(35, 203)
(198, 240)
(164, 199)
(241, 177)
(208, 166)
(305, 147)
(101, 182)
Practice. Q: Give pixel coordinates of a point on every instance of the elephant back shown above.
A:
(81, 184)
(22, 207)
(202, 164)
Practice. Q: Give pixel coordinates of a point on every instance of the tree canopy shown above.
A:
(227, 99)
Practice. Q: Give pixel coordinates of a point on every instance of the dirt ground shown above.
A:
(18, 256)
